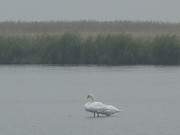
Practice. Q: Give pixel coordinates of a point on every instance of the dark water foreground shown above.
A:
(73, 49)
(46, 100)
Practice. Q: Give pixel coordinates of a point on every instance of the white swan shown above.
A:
(99, 108)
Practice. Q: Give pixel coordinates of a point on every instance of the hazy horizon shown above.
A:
(99, 10)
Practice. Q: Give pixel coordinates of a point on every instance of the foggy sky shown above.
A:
(101, 10)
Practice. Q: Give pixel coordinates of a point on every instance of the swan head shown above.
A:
(90, 97)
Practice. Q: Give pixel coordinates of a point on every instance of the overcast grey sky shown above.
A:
(101, 10)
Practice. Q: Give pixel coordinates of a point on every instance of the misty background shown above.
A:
(100, 10)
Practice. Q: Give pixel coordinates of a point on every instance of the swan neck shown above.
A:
(90, 98)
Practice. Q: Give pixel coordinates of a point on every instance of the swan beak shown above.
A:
(88, 96)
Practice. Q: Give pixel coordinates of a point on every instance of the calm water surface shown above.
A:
(49, 100)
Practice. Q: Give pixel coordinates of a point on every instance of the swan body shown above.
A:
(99, 108)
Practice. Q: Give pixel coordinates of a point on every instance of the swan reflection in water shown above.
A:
(99, 107)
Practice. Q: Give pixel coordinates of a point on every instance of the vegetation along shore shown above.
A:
(95, 43)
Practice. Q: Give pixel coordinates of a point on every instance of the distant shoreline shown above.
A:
(142, 29)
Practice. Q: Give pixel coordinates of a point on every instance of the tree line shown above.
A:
(73, 49)
(137, 29)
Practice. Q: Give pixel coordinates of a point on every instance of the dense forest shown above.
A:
(79, 43)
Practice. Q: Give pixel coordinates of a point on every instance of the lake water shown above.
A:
(49, 100)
